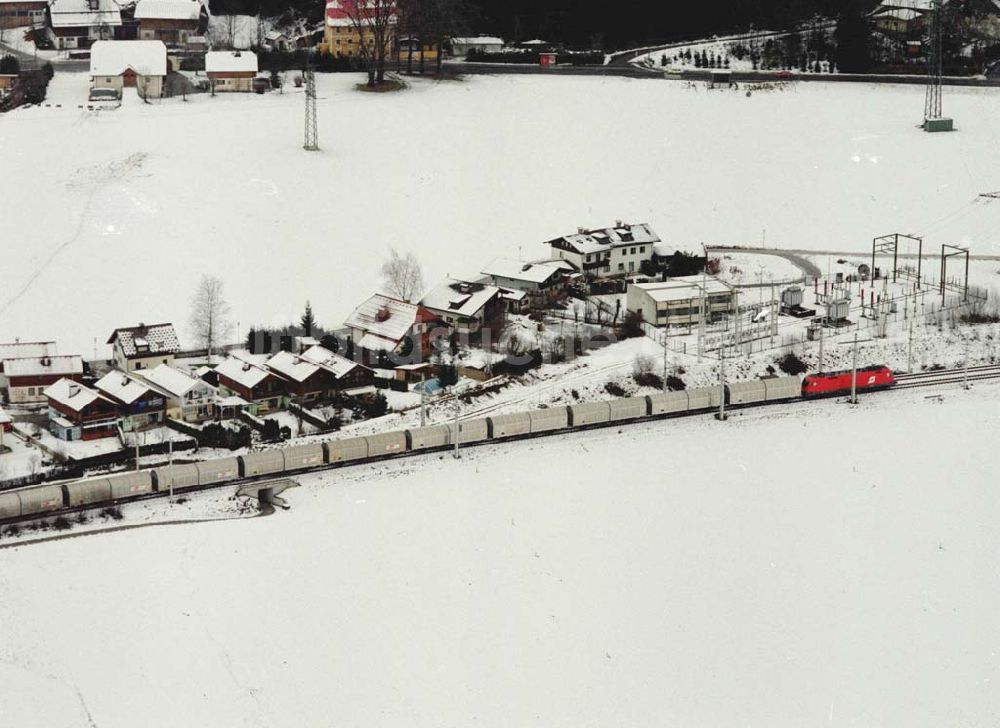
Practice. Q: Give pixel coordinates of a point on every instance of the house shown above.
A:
(901, 22)
(189, 399)
(316, 373)
(278, 41)
(23, 350)
(385, 324)
(121, 64)
(139, 404)
(261, 389)
(343, 36)
(679, 301)
(231, 70)
(534, 278)
(79, 23)
(144, 347)
(28, 377)
(170, 21)
(468, 308)
(410, 50)
(479, 44)
(619, 250)
(77, 412)
(22, 13)
(516, 301)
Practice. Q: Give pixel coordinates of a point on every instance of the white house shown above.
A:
(479, 43)
(189, 398)
(120, 64)
(27, 377)
(618, 250)
(680, 301)
(79, 23)
(144, 347)
(231, 70)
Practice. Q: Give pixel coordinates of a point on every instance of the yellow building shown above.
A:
(410, 47)
(342, 37)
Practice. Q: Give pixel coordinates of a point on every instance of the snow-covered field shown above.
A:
(781, 569)
(109, 218)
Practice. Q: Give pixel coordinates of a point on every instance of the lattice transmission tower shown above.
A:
(934, 119)
(311, 143)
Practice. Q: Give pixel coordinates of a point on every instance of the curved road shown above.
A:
(809, 268)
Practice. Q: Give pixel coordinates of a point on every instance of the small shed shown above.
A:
(413, 372)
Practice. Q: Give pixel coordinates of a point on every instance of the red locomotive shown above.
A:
(831, 384)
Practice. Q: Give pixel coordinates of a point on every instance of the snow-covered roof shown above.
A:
(337, 365)
(168, 10)
(512, 295)
(682, 288)
(122, 387)
(78, 13)
(909, 4)
(338, 16)
(596, 241)
(905, 14)
(114, 57)
(243, 372)
(518, 270)
(292, 366)
(22, 349)
(230, 62)
(535, 42)
(459, 297)
(160, 338)
(384, 317)
(478, 40)
(37, 366)
(74, 395)
(170, 379)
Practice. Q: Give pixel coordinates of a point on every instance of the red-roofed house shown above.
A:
(341, 35)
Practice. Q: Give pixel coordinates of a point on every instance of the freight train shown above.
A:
(45, 499)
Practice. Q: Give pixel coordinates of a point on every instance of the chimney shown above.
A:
(618, 223)
(581, 230)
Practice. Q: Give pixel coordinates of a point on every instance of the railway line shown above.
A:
(54, 499)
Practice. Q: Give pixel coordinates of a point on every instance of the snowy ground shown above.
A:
(150, 196)
(642, 578)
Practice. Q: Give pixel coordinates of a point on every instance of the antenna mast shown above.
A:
(311, 143)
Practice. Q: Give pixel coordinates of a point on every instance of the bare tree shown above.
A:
(402, 276)
(374, 21)
(209, 320)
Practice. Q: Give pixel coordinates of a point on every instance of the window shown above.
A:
(631, 266)
(589, 257)
(632, 251)
(621, 267)
(642, 249)
(607, 256)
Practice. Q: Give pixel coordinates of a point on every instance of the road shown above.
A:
(809, 268)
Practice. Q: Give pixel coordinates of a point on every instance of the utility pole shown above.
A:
(457, 429)
(854, 372)
(821, 328)
(965, 367)
(170, 464)
(423, 401)
(722, 382)
(664, 359)
(135, 433)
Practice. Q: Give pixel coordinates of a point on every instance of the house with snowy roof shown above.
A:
(27, 377)
(170, 21)
(121, 64)
(231, 70)
(262, 389)
(144, 347)
(386, 324)
(613, 251)
(343, 35)
(316, 373)
(20, 350)
(79, 23)
(479, 44)
(139, 404)
(188, 398)
(466, 307)
(22, 13)
(77, 412)
(530, 277)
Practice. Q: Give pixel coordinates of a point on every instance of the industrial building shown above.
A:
(679, 301)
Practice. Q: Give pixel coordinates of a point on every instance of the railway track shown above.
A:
(947, 376)
(904, 381)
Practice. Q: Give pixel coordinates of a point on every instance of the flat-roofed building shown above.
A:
(679, 301)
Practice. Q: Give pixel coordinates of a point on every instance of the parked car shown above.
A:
(104, 98)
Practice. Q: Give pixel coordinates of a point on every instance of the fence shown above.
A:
(309, 416)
